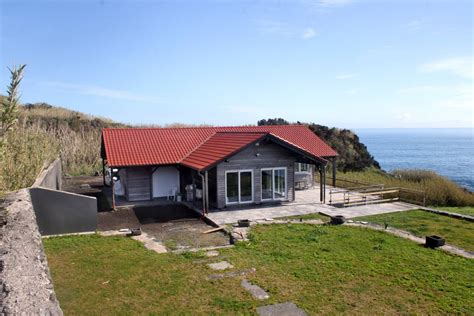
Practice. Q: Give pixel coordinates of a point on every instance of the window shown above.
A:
(274, 184)
(239, 186)
(301, 167)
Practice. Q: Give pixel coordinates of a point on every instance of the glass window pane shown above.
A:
(279, 183)
(232, 187)
(304, 167)
(245, 186)
(267, 184)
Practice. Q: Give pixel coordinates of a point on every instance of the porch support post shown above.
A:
(103, 171)
(334, 167)
(294, 189)
(207, 191)
(113, 191)
(320, 168)
(324, 184)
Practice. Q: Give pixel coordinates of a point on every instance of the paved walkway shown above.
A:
(261, 213)
(370, 209)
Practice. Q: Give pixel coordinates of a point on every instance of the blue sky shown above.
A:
(340, 63)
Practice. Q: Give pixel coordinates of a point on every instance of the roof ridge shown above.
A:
(203, 127)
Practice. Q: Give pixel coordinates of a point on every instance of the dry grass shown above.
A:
(439, 190)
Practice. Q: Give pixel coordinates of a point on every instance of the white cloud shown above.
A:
(334, 3)
(461, 66)
(308, 33)
(101, 92)
(414, 24)
(345, 76)
(404, 117)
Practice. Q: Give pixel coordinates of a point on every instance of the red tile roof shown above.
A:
(198, 147)
(218, 147)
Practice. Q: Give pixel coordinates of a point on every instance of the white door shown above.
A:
(165, 179)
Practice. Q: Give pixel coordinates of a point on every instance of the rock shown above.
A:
(222, 265)
(212, 253)
(231, 274)
(256, 291)
(287, 308)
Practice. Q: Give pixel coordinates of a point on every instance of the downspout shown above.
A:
(203, 180)
(207, 192)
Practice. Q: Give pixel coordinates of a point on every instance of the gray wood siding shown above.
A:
(270, 155)
(138, 184)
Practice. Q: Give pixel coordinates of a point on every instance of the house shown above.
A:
(221, 167)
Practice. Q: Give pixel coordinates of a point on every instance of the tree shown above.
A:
(9, 110)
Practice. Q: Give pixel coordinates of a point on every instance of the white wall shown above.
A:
(164, 180)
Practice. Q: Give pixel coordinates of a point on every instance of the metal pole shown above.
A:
(207, 192)
(113, 192)
(334, 167)
(103, 171)
(320, 183)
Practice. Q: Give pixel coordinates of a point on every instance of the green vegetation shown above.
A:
(422, 223)
(323, 269)
(459, 210)
(439, 190)
(353, 155)
(41, 134)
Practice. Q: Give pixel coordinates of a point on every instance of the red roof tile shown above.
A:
(161, 146)
(219, 146)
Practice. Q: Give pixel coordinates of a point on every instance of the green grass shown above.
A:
(422, 223)
(459, 210)
(322, 217)
(323, 269)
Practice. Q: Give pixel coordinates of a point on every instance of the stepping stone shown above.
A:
(212, 253)
(256, 291)
(150, 243)
(222, 265)
(231, 274)
(287, 308)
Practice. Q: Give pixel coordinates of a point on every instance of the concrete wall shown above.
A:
(50, 177)
(270, 155)
(59, 212)
(26, 287)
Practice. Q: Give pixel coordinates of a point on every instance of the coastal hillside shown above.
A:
(353, 155)
(44, 132)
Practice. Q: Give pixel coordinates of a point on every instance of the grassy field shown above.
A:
(459, 210)
(323, 269)
(421, 223)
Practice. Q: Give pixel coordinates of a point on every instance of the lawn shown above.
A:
(457, 232)
(460, 210)
(323, 269)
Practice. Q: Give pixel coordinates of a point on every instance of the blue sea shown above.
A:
(449, 152)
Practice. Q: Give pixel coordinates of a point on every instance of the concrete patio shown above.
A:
(306, 202)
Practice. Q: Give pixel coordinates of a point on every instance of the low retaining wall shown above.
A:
(59, 212)
(26, 287)
(50, 177)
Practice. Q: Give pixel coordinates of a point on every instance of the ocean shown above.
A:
(449, 152)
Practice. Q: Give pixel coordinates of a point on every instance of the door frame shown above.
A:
(273, 184)
(239, 171)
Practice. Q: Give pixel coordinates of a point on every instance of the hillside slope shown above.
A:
(353, 155)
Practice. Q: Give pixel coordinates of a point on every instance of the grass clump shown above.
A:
(457, 232)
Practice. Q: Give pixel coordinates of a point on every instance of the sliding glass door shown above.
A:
(239, 186)
(274, 184)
